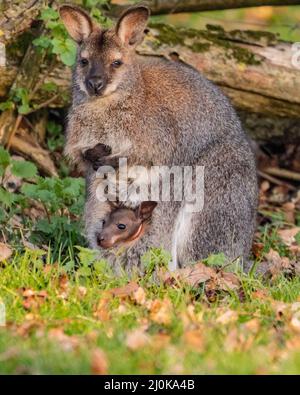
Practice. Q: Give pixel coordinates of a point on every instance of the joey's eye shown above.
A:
(121, 226)
(103, 222)
(83, 62)
(116, 63)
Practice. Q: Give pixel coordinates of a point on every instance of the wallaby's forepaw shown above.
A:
(112, 161)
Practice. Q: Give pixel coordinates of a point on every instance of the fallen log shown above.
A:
(253, 68)
(17, 16)
(159, 7)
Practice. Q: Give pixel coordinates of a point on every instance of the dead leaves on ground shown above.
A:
(32, 300)
(214, 280)
(273, 266)
(99, 363)
(5, 252)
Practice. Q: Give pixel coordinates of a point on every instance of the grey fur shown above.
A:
(166, 113)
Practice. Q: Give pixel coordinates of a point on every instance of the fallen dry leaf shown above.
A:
(257, 249)
(227, 280)
(68, 343)
(192, 275)
(262, 294)
(228, 317)
(289, 212)
(82, 291)
(5, 252)
(102, 312)
(99, 364)
(33, 299)
(194, 339)
(288, 235)
(215, 280)
(137, 339)
(63, 285)
(161, 311)
(124, 291)
(160, 340)
(276, 265)
(139, 296)
(253, 325)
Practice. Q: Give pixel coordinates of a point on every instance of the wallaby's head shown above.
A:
(125, 225)
(104, 56)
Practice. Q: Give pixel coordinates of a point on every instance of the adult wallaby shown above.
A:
(159, 112)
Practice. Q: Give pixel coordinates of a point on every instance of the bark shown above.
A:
(176, 6)
(16, 16)
(252, 68)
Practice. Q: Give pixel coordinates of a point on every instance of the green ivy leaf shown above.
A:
(216, 259)
(4, 160)
(7, 105)
(42, 41)
(21, 95)
(86, 256)
(4, 157)
(6, 198)
(23, 169)
(24, 108)
(49, 14)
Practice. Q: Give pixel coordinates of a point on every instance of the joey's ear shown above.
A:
(144, 211)
(131, 25)
(77, 22)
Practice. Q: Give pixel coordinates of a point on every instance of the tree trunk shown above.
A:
(159, 7)
(252, 68)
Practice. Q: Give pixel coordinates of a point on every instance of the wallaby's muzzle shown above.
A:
(95, 85)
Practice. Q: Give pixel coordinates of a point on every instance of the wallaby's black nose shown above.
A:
(104, 242)
(95, 84)
(100, 239)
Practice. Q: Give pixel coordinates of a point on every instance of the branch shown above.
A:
(176, 6)
(17, 16)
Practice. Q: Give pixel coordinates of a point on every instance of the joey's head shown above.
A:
(104, 57)
(124, 225)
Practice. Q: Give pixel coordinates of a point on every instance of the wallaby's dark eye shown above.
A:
(103, 222)
(116, 63)
(83, 62)
(121, 226)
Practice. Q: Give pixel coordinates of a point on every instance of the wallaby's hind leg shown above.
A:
(218, 229)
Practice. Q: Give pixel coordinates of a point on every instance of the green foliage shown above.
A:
(254, 336)
(216, 260)
(23, 169)
(57, 40)
(56, 193)
(62, 199)
(6, 105)
(297, 238)
(21, 97)
(55, 136)
(4, 160)
(6, 198)
(93, 6)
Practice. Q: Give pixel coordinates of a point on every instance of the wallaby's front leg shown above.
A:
(96, 155)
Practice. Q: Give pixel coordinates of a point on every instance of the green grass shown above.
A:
(62, 333)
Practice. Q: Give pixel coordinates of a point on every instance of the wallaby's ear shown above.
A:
(131, 25)
(144, 211)
(77, 22)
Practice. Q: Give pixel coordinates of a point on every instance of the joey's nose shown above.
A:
(103, 242)
(95, 84)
